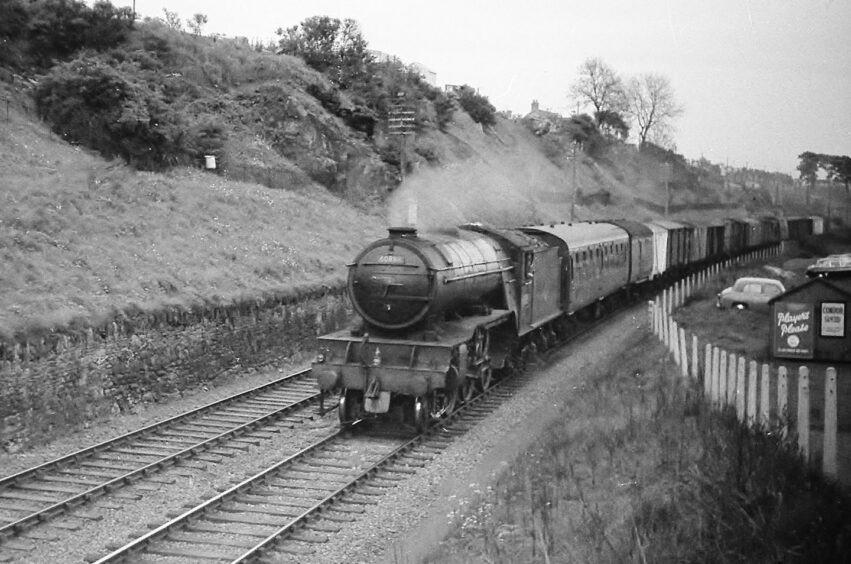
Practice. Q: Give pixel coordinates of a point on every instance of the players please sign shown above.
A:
(793, 330)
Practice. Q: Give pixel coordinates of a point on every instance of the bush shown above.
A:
(107, 105)
(478, 106)
(59, 28)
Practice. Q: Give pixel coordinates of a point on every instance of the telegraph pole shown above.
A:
(400, 122)
(667, 169)
(573, 199)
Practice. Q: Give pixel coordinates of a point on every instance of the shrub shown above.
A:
(478, 106)
(60, 28)
(107, 105)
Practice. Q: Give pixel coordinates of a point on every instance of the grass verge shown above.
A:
(636, 469)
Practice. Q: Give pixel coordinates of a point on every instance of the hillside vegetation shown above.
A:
(105, 207)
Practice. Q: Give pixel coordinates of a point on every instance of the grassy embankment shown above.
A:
(81, 238)
(636, 469)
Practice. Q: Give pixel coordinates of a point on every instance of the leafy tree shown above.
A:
(333, 47)
(808, 169)
(57, 28)
(581, 129)
(444, 108)
(60, 28)
(478, 106)
(599, 85)
(612, 123)
(14, 18)
(839, 168)
(651, 103)
(108, 25)
(196, 23)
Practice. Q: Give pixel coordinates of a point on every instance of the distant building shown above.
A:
(427, 74)
(381, 56)
(542, 121)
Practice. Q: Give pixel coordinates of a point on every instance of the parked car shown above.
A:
(749, 293)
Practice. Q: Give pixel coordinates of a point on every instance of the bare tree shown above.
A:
(651, 104)
(172, 20)
(599, 85)
(197, 23)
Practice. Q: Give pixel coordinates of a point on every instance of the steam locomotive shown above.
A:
(439, 314)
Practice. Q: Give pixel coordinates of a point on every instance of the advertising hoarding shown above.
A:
(793, 330)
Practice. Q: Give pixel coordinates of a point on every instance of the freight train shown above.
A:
(438, 314)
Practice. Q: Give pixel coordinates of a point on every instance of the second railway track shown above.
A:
(285, 511)
(40, 493)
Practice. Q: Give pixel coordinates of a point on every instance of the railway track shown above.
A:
(222, 428)
(287, 510)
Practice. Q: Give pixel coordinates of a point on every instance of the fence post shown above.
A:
(722, 380)
(651, 313)
(695, 369)
(765, 406)
(782, 401)
(752, 385)
(683, 353)
(675, 345)
(657, 319)
(716, 367)
(740, 389)
(804, 412)
(829, 462)
(731, 381)
(707, 371)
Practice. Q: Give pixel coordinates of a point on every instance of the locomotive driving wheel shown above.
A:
(343, 408)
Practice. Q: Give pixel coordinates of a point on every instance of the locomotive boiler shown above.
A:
(402, 281)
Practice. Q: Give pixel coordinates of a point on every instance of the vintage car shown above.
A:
(749, 293)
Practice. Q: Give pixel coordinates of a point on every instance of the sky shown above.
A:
(760, 81)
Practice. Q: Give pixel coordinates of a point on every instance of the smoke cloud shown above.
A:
(505, 182)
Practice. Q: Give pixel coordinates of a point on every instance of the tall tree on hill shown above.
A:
(808, 169)
(172, 20)
(333, 47)
(839, 168)
(196, 23)
(600, 86)
(651, 103)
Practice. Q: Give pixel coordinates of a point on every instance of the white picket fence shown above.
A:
(733, 381)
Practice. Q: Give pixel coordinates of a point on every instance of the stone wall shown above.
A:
(52, 385)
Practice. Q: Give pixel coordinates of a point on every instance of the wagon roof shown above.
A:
(668, 224)
(634, 228)
(582, 234)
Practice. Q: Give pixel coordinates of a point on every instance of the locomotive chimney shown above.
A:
(402, 232)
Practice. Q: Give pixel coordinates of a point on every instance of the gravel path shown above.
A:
(406, 524)
(401, 528)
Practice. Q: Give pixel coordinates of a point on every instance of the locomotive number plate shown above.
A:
(391, 259)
